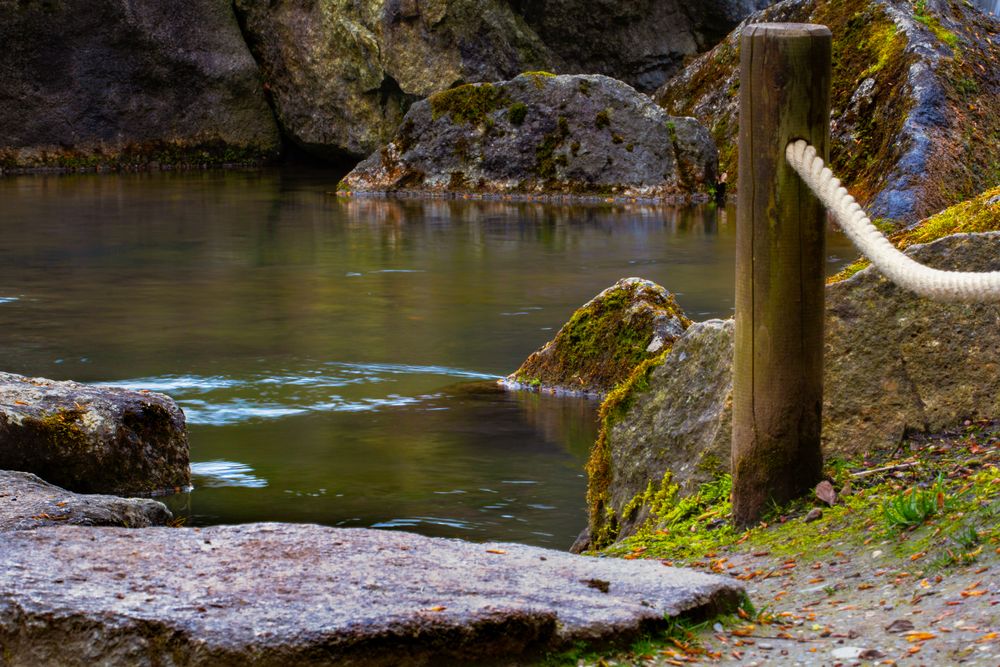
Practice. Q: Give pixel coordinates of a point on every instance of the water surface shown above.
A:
(335, 357)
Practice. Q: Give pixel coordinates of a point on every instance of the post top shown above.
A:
(779, 30)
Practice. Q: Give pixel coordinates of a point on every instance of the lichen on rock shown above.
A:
(605, 340)
(543, 134)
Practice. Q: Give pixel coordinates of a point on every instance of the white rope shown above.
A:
(932, 283)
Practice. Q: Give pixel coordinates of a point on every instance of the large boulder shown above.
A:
(604, 341)
(283, 594)
(85, 83)
(27, 502)
(540, 133)
(93, 439)
(893, 363)
(640, 42)
(913, 99)
(342, 74)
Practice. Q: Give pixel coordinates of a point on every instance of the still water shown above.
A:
(335, 357)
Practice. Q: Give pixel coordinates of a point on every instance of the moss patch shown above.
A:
(547, 162)
(516, 113)
(471, 103)
(981, 214)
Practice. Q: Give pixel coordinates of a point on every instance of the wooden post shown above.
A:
(780, 258)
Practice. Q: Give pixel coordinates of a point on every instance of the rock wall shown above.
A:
(641, 43)
(87, 83)
(342, 74)
(912, 95)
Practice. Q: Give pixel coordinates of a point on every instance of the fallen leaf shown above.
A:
(495, 551)
(973, 594)
(988, 637)
(899, 625)
(826, 493)
(436, 608)
(918, 636)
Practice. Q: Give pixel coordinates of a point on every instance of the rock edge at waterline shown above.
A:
(28, 502)
(276, 594)
(543, 134)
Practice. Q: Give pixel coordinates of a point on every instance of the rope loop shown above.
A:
(964, 286)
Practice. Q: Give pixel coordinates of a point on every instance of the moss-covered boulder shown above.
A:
(894, 363)
(342, 74)
(93, 439)
(541, 133)
(915, 86)
(104, 83)
(605, 340)
(28, 502)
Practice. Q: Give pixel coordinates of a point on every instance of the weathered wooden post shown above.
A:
(778, 364)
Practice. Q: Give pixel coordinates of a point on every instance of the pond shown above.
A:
(336, 358)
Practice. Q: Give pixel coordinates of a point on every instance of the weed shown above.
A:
(914, 506)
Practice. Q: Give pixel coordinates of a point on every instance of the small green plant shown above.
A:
(914, 506)
(967, 537)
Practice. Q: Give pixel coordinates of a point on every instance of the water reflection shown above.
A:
(315, 342)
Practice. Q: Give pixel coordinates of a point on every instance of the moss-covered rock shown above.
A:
(981, 214)
(894, 363)
(605, 340)
(106, 84)
(543, 134)
(93, 439)
(913, 89)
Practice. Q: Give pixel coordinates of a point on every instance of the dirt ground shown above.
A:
(852, 588)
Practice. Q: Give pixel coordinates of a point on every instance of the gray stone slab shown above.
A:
(27, 502)
(279, 594)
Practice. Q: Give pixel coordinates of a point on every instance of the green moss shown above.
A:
(602, 119)
(516, 113)
(539, 78)
(547, 162)
(965, 517)
(471, 103)
(63, 426)
(973, 216)
(584, 87)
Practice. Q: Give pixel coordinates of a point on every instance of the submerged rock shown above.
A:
(893, 363)
(604, 341)
(92, 439)
(541, 133)
(109, 83)
(913, 93)
(280, 594)
(28, 502)
(342, 74)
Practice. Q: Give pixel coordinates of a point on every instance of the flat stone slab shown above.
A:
(279, 594)
(28, 502)
(93, 439)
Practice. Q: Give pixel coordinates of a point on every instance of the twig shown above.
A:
(865, 473)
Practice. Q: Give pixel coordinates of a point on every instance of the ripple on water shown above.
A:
(221, 473)
(220, 400)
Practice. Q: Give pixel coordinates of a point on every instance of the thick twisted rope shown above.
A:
(931, 283)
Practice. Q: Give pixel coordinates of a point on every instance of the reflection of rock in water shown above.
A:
(568, 420)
